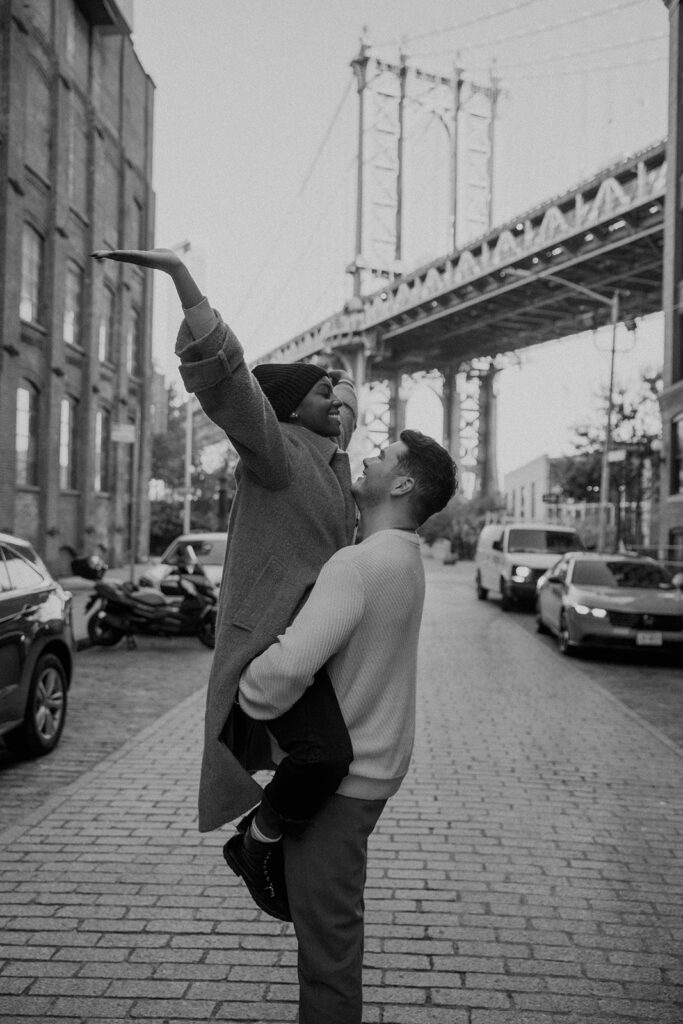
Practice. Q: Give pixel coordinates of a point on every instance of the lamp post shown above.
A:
(183, 248)
(187, 489)
(614, 306)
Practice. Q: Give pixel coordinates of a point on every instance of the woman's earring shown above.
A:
(294, 416)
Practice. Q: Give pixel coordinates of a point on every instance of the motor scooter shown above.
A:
(125, 609)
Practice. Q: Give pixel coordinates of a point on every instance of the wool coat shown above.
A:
(292, 510)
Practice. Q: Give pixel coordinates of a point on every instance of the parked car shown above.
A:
(36, 650)
(601, 600)
(184, 552)
(511, 557)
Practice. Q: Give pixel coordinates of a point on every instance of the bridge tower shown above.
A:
(395, 99)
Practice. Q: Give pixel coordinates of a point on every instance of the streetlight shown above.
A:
(613, 304)
(183, 248)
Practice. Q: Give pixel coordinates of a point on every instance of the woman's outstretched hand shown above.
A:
(158, 259)
(154, 259)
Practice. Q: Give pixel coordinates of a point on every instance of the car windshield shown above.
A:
(27, 552)
(209, 552)
(621, 574)
(543, 542)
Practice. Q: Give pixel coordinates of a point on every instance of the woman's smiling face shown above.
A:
(319, 409)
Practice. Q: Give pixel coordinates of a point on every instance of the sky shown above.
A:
(255, 148)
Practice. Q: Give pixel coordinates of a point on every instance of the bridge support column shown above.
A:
(397, 406)
(358, 366)
(487, 461)
(451, 412)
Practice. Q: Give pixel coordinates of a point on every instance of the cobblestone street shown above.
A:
(530, 870)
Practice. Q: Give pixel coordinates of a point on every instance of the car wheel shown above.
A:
(505, 597)
(45, 709)
(482, 592)
(563, 638)
(100, 632)
(206, 631)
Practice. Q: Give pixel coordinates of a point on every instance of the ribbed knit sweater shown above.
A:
(362, 621)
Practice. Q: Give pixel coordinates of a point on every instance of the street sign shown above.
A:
(551, 499)
(124, 433)
(616, 455)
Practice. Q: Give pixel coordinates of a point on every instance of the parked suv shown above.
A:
(511, 557)
(36, 650)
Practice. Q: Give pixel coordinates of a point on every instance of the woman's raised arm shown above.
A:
(165, 260)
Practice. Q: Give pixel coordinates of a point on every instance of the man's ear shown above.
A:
(401, 486)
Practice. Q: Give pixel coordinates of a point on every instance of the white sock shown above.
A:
(259, 836)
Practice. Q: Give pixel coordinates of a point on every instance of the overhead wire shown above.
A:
(572, 55)
(290, 209)
(538, 30)
(654, 59)
(512, 8)
(303, 248)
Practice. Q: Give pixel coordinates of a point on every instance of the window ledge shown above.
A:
(34, 326)
(71, 347)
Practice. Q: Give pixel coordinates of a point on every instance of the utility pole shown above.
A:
(604, 466)
(614, 306)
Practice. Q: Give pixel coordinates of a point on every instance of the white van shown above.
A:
(511, 557)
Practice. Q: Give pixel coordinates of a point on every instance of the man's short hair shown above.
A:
(433, 470)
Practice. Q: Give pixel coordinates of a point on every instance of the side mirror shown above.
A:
(554, 579)
(497, 545)
(678, 580)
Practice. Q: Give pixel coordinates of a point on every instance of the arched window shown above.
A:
(73, 304)
(37, 125)
(26, 434)
(68, 444)
(134, 361)
(107, 326)
(31, 274)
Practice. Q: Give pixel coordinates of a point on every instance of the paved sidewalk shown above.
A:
(530, 870)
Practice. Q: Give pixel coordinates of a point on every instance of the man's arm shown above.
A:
(275, 680)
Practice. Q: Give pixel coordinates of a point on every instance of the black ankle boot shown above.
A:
(261, 867)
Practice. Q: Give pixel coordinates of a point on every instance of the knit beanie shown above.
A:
(286, 384)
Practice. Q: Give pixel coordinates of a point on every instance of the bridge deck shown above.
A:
(605, 234)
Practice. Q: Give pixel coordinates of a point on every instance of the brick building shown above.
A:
(76, 115)
(671, 401)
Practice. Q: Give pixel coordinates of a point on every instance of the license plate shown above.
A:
(650, 639)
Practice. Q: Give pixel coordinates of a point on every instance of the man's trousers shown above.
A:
(325, 870)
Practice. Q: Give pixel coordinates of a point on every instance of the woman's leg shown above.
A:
(315, 739)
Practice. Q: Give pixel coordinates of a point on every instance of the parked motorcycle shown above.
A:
(125, 609)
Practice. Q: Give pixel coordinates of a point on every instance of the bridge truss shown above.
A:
(473, 305)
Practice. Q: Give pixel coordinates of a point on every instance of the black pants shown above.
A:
(315, 739)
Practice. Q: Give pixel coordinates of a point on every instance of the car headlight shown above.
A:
(584, 609)
(521, 573)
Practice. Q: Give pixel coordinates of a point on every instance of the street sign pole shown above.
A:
(134, 496)
(128, 433)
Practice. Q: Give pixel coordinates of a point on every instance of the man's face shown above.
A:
(379, 475)
(319, 409)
